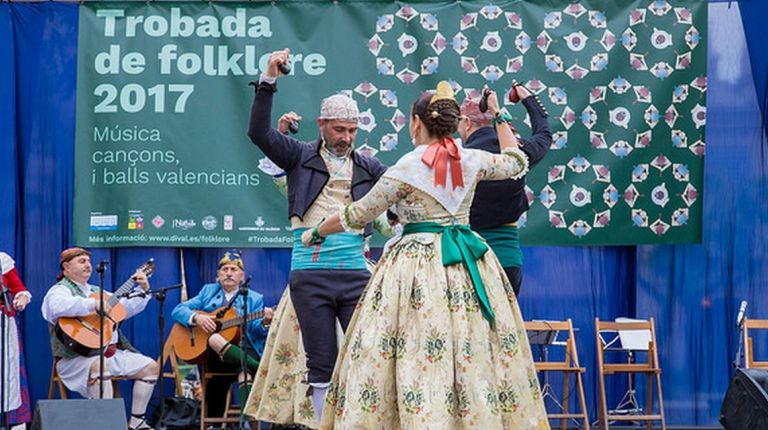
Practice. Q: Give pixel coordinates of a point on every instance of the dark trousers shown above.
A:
(319, 297)
(515, 275)
(216, 390)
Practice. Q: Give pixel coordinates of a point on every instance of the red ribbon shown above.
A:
(438, 155)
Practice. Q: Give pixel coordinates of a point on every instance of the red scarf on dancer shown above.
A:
(438, 155)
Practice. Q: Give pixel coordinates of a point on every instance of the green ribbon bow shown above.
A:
(459, 245)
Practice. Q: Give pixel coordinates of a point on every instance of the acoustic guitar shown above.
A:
(190, 343)
(81, 334)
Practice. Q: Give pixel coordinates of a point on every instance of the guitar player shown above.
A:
(222, 355)
(69, 297)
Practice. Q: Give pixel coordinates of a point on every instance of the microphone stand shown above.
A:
(159, 294)
(244, 346)
(737, 360)
(100, 269)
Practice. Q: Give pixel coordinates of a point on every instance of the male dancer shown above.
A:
(498, 204)
(323, 175)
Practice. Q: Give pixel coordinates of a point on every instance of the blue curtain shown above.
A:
(753, 15)
(692, 291)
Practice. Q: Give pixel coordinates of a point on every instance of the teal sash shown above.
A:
(505, 243)
(459, 245)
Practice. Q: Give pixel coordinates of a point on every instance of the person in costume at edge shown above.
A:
(15, 299)
(498, 204)
(277, 396)
(437, 340)
(326, 280)
(69, 297)
(223, 356)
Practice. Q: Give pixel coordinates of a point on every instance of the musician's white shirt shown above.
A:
(74, 372)
(60, 302)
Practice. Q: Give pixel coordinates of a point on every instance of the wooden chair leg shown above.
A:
(649, 425)
(566, 380)
(582, 400)
(661, 402)
(52, 385)
(56, 381)
(203, 404)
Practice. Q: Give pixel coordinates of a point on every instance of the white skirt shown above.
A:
(11, 384)
(74, 372)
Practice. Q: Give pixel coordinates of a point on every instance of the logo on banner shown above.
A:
(259, 224)
(135, 220)
(101, 222)
(183, 224)
(229, 221)
(209, 222)
(158, 221)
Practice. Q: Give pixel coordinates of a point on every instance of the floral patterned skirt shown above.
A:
(278, 394)
(419, 354)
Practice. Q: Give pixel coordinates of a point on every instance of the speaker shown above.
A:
(80, 414)
(745, 406)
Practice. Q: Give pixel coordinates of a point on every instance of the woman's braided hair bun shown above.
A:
(439, 112)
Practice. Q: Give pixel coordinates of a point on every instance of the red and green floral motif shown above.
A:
(471, 301)
(466, 350)
(457, 401)
(376, 298)
(306, 410)
(507, 398)
(392, 345)
(492, 400)
(357, 346)
(510, 344)
(336, 397)
(285, 355)
(413, 399)
(435, 346)
(417, 297)
(533, 384)
(454, 299)
(369, 396)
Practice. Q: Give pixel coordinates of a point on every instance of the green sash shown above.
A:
(459, 245)
(505, 243)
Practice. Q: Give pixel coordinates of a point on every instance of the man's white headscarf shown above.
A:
(340, 107)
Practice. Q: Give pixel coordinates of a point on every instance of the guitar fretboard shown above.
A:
(237, 321)
(148, 268)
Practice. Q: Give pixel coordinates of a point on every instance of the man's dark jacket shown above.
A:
(305, 168)
(501, 202)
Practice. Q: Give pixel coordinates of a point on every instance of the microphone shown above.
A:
(742, 310)
(285, 68)
(102, 266)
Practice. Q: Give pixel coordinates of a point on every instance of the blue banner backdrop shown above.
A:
(692, 291)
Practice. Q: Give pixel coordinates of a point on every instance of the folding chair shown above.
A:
(57, 382)
(569, 365)
(749, 358)
(170, 357)
(231, 412)
(634, 336)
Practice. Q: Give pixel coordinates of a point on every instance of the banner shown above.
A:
(162, 156)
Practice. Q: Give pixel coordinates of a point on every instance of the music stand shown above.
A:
(631, 341)
(544, 338)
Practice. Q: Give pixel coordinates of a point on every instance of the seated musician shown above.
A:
(223, 355)
(79, 369)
